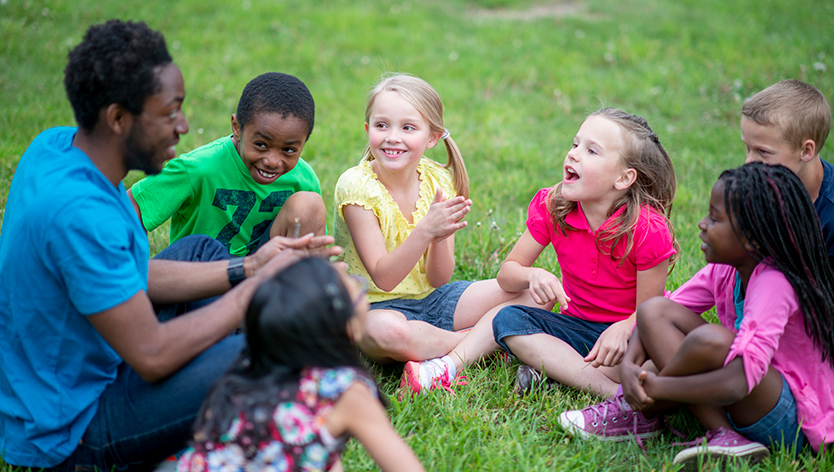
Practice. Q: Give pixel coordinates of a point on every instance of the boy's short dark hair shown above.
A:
(274, 92)
(798, 109)
(114, 63)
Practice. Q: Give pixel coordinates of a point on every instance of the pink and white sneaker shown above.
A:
(720, 444)
(422, 377)
(612, 420)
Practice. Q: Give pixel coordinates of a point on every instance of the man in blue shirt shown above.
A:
(89, 374)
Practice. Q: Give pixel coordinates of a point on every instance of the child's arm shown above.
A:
(440, 257)
(630, 372)
(723, 386)
(357, 412)
(611, 344)
(517, 274)
(389, 269)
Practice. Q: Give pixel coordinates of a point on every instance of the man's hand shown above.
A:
(304, 246)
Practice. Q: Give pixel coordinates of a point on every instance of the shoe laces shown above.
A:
(443, 381)
(600, 411)
(618, 406)
(708, 437)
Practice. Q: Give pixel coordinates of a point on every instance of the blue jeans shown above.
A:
(194, 248)
(437, 309)
(139, 424)
(780, 426)
(518, 320)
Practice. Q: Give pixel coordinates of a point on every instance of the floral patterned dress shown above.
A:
(298, 440)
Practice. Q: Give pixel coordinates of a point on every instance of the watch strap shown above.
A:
(235, 271)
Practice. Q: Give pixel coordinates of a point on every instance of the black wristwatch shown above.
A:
(236, 271)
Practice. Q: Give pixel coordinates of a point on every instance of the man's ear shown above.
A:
(117, 119)
(808, 150)
(626, 179)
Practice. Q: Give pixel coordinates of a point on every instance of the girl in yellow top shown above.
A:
(396, 216)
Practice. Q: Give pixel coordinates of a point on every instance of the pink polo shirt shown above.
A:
(600, 290)
(772, 332)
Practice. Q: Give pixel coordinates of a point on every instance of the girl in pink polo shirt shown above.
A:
(608, 221)
(765, 374)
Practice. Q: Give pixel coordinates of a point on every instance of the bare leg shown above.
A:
(680, 343)
(559, 361)
(388, 336)
(481, 341)
(481, 297)
(477, 305)
(663, 324)
(704, 349)
(307, 208)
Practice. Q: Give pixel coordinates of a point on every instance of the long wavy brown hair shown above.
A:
(655, 187)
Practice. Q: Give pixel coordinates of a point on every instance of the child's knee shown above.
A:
(710, 341)
(390, 333)
(653, 308)
(713, 335)
(305, 209)
(305, 202)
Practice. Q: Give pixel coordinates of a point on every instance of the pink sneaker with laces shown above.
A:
(422, 377)
(612, 420)
(723, 445)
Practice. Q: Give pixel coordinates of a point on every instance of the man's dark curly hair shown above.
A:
(115, 63)
(274, 92)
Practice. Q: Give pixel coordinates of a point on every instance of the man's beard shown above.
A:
(137, 154)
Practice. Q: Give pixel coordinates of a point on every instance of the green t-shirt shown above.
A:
(210, 191)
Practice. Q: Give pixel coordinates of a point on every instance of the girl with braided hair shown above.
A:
(608, 221)
(765, 374)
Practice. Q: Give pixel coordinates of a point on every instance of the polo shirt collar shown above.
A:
(577, 219)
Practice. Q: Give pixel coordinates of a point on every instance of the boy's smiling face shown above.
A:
(270, 144)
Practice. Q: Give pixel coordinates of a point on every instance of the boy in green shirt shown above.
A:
(244, 188)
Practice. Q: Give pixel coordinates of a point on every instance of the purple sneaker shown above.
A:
(612, 420)
(722, 445)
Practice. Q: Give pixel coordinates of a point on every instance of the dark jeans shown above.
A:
(518, 320)
(139, 424)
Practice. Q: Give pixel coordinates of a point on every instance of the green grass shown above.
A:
(517, 78)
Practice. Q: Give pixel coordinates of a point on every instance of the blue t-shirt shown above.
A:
(825, 209)
(71, 246)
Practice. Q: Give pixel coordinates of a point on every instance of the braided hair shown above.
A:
(655, 187)
(770, 208)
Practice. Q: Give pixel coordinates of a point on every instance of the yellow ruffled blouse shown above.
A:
(360, 186)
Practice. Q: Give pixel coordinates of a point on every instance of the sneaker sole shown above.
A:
(574, 430)
(411, 378)
(693, 459)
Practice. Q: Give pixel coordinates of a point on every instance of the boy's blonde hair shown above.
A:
(797, 109)
(425, 100)
(655, 186)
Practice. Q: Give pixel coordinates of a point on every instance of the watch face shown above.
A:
(236, 271)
